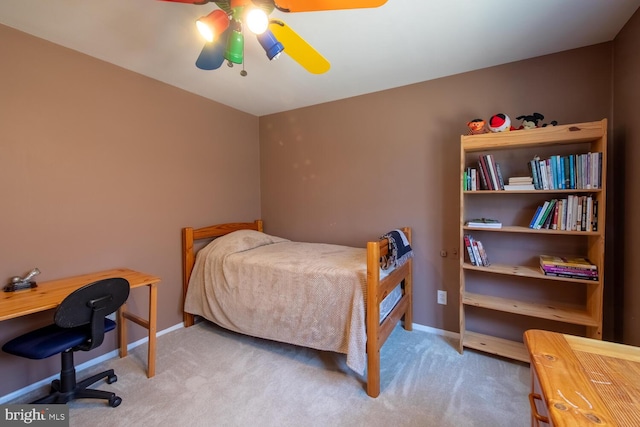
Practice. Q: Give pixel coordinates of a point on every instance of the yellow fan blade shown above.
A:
(298, 49)
(316, 5)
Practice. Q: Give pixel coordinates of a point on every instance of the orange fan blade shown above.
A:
(189, 1)
(298, 49)
(317, 5)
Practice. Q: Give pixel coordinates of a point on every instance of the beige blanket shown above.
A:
(307, 294)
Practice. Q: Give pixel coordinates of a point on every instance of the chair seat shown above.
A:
(50, 340)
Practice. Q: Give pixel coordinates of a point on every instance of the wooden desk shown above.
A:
(580, 381)
(50, 294)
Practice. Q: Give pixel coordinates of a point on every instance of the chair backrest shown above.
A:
(89, 305)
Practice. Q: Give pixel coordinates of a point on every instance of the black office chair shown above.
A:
(80, 324)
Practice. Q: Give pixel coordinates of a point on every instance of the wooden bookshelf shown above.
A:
(513, 287)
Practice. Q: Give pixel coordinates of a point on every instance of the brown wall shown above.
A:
(626, 94)
(350, 170)
(100, 168)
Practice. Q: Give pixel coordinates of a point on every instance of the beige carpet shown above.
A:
(207, 376)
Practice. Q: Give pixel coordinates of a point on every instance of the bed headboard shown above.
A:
(190, 235)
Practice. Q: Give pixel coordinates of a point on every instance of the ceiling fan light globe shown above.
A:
(212, 25)
(270, 44)
(257, 21)
(204, 31)
(235, 47)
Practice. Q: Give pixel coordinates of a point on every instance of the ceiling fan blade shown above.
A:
(298, 49)
(212, 55)
(317, 5)
(189, 1)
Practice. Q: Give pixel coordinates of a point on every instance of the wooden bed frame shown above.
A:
(377, 290)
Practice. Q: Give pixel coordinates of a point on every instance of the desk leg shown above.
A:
(150, 325)
(153, 312)
(122, 330)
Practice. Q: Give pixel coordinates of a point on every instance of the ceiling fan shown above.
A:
(223, 30)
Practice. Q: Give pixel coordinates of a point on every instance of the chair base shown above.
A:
(80, 390)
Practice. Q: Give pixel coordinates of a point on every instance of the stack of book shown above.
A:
(575, 213)
(520, 183)
(576, 171)
(477, 254)
(489, 174)
(576, 267)
(484, 223)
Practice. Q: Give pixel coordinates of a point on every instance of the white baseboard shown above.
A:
(436, 331)
(16, 394)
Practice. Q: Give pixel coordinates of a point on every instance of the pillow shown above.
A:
(243, 240)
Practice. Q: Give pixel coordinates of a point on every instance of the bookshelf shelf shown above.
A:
(522, 229)
(523, 271)
(528, 298)
(556, 191)
(558, 312)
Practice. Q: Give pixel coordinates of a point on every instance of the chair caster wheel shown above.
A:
(112, 379)
(115, 401)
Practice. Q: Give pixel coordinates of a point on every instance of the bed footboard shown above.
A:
(377, 290)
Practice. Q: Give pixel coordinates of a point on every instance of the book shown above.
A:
(572, 171)
(500, 180)
(492, 172)
(570, 276)
(598, 171)
(560, 173)
(484, 223)
(552, 170)
(520, 180)
(570, 270)
(516, 187)
(476, 251)
(589, 215)
(482, 160)
(467, 244)
(534, 217)
(474, 180)
(545, 214)
(547, 221)
(557, 261)
(539, 215)
(569, 218)
(533, 169)
(556, 216)
(574, 212)
(567, 174)
(543, 175)
(483, 176)
(483, 254)
(562, 214)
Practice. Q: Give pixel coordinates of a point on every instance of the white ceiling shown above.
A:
(400, 43)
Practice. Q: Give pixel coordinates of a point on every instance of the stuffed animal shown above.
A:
(500, 123)
(530, 122)
(477, 126)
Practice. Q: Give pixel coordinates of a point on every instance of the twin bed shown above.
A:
(321, 296)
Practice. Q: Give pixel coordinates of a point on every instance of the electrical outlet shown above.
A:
(442, 297)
